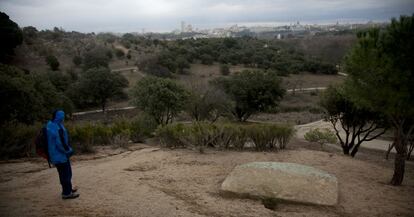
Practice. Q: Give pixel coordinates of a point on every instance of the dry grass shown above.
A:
(305, 80)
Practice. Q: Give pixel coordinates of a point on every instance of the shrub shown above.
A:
(224, 69)
(270, 136)
(53, 62)
(172, 135)
(225, 135)
(142, 127)
(321, 137)
(119, 53)
(16, 139)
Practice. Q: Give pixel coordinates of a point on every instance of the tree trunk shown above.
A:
(355, 150)
(401, 155)
(399, 168)
(345, 149)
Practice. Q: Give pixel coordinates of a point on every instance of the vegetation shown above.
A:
(252, 91)
(224, 69)
(161, 98)
(359, 124)
(53, 62)
(207, 103)
(96, 86)
(28, 97)
(321, 137)
(10, 37)
(225, 135)
(381, 78)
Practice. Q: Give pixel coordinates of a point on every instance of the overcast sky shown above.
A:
(166, 15)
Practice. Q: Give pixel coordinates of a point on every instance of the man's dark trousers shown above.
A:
(65, 176)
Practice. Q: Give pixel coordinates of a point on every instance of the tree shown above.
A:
(321, 137)
(119, 53)
(53, 62)
(10, 37)
(207, 103)
(98, 85)
(96, 58)
(224, 69)
(77, 60)
(381, 78)
(161, 98)
(28, 97)
(252, 91)
(182, 65)
(358, 124)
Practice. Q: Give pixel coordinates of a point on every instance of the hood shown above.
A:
(59, 117)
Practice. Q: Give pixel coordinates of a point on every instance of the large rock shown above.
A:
(285, 181)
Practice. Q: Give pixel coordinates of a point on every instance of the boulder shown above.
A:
(283, 181)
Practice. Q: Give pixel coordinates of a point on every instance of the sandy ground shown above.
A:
(153, 181)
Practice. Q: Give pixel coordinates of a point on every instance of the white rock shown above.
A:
(285, 181)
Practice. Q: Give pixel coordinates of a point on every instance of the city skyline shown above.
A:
(166, 16)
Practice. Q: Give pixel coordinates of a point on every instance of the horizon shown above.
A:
(164, 16)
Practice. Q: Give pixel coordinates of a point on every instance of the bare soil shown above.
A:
(153, 181)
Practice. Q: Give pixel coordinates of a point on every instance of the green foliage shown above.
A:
(225, 135)
(142, 127)
(207, 103)
(119, 53)
(270, 137)
(95, 58)
(10, 37)
(28, 97)
(224, 69)
(77, 60)
(321, 137)
(161, 98)
(96, 86)
(16, 139)
(252, 91)
(381, 78)
(358, 123)
(53, 62)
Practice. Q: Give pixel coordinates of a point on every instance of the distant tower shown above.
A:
(182, 26)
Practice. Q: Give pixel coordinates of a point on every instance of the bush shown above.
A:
(321, 137)
(142, 127)
(224, 69)
(270, 136)
(16, 139)
(225, 135)
(119, 53)
(53, 62)
(172, 135)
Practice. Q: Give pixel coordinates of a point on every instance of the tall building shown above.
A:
(182, 26)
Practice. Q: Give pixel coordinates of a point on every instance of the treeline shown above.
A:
(176, 56)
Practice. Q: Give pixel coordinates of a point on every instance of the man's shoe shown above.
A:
(70, 196)
(74, 189)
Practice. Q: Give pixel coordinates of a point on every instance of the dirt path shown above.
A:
(377, 144)
(163, 182)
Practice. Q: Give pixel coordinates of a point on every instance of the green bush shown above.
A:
(142, 127)
(321, 137)
(270, 136)
(172, 135)
(16, 139)
(225, 135)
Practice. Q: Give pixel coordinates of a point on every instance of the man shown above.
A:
(60, 152)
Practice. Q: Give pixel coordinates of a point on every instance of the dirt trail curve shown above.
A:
(376, 144)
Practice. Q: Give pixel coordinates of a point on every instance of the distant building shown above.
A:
(182, 26)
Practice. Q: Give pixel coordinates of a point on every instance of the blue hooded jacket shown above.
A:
(57, 152)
